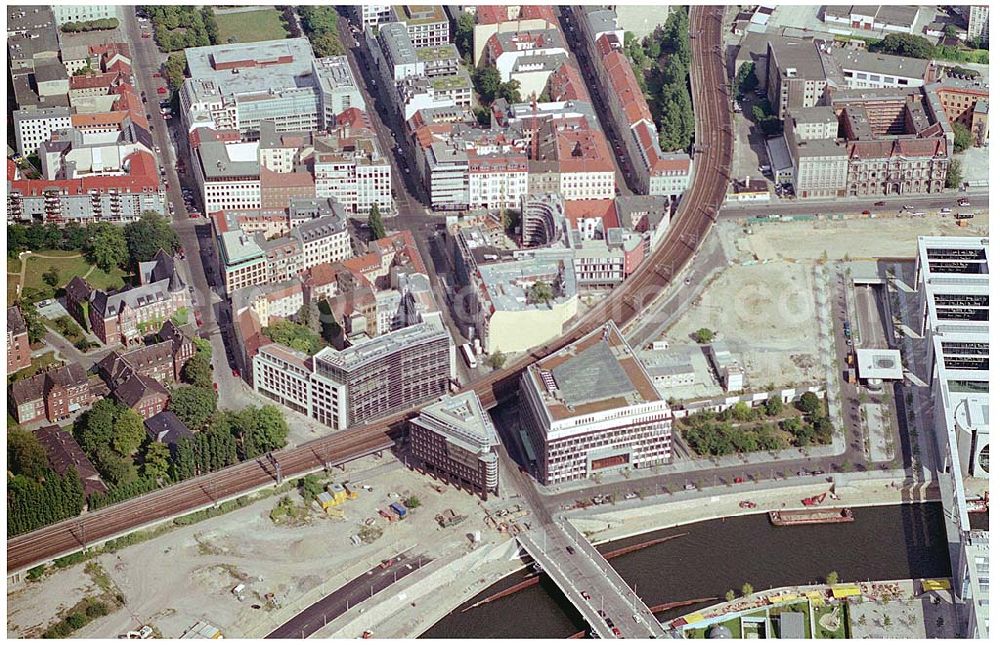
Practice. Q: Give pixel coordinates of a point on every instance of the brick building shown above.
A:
(18, 349)
(52, 395)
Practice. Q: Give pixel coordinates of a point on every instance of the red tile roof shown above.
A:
(498, 162)
(88, 81)
(404, 243)
(142, 177)
(496, 14)
(566, 84)
(579, 148)
(11, 169)
(651, 149)
(592, 208)
(625, 87)
(355, 118)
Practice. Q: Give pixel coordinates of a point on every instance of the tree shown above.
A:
(511, 220)
(115, 469)
(25, 454)
(51, 277)
(175, 68)
(746, 589)
(33, 321)
(129, 433)
(904, 45)
(704, 336)
(746, 78)
(464, 28)
(327, 44)
(540, 292)
(511, 91)
(774, 406)
(496, 359)
(950, 31)
(106, 246)
(953, 178)
(487, 83)
(149, 234)
(742, 411)
(412, 502)
(192, 405)
(963, 137)
(730, 595)
(198, 371)
(95, 428)
(298, 337)
(483, 116)
(375, 225)
(156, 461)
(832, 578)
(809, 403)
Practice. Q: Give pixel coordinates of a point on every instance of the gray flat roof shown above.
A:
(899, 15)
(206, 80)
(595, 374)
(357, 355)
(855, 59)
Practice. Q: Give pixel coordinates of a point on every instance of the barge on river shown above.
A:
(811, 516)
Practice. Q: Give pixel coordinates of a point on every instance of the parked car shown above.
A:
(880, 203)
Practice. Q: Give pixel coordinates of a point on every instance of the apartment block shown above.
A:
(592, 406)
(116, 198)
(34, 126)
(427, 25)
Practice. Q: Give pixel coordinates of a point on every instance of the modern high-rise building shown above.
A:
(592, 406)
(953, 282)
(363, 382)
(455, 437)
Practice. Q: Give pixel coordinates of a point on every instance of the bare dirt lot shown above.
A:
(766, 313)
(188, 574)
(855, 238)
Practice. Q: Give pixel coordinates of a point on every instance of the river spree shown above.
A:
(887, 542)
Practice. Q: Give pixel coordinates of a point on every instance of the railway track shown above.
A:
(690, 225)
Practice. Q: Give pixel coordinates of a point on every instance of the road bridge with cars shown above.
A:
(606, 602)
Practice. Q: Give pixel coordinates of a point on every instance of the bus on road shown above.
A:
(469, 356)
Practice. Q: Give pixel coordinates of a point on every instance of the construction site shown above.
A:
(248, 571)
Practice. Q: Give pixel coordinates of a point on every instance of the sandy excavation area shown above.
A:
(187, 575)
(766, 313)
(859, 238)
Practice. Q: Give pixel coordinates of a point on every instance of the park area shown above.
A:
(772, 426)
(34, 271)
(250, 26)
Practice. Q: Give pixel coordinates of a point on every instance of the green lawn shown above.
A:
(13, 265)
(250, 26)
(68, 267)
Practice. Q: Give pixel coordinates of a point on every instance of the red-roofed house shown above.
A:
(580, 155)
(592, 217)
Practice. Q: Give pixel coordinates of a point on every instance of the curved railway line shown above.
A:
(690, 225)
